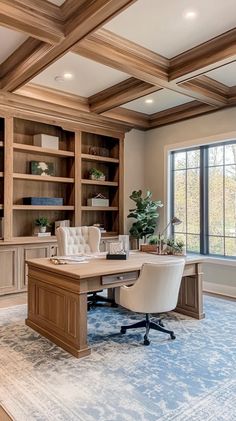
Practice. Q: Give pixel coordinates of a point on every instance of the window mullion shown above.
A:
(204, 199)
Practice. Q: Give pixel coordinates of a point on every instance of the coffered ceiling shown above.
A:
(142, 63)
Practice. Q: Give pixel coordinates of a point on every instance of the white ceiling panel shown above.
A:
(225, 74)
(159, 25)
(57, 2)
(162, 100)
(12, 40)
(89, 77)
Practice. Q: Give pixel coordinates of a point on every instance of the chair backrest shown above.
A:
(77, 240)
(157, 287)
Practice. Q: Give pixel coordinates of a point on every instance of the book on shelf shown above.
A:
(43, 234)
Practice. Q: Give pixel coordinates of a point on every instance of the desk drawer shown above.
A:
(120, 277)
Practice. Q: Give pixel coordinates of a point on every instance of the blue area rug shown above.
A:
(190, 379)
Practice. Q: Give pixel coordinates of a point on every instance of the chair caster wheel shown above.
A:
(172, 336)
(123, 330)
(146, 341)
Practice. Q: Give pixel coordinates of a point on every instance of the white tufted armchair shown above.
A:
(81, 240)
(78, 240)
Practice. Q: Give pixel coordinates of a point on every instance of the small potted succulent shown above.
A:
(95, 174)
(42, 223)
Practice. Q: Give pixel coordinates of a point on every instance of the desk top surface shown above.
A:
(100, 266)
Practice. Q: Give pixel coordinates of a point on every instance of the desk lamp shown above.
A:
(173, 221)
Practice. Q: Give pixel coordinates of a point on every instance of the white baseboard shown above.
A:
(220, 289)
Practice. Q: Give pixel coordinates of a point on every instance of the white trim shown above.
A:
(220, 289)
(220, 261)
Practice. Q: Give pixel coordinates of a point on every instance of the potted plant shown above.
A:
(146, 215)
(174, 247)
(95, 174)
(42, 223)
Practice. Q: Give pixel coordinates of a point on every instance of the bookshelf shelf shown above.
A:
(42, 208)
(100, 208)
(90, 157)
(45, 178)
(42, 151)
(100, 183)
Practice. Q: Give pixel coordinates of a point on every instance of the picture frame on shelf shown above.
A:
(42, 168)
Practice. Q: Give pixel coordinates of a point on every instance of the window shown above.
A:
(203, 197)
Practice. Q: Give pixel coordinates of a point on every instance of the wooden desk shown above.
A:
(57, 294)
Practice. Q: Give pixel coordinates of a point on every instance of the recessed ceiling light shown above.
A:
(190, 14)
(149, 101)
(68, 76)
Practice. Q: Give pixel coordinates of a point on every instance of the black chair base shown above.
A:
(148, 324)
(96, 300)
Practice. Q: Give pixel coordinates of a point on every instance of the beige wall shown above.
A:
(145, 167)
(133, 169)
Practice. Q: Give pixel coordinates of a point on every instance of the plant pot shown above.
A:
(93, 177)
(42, 229)
(148, 247)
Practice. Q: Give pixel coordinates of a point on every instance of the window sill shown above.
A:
(220, 261)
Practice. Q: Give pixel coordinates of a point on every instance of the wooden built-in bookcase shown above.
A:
(103, 153)
(78, 152)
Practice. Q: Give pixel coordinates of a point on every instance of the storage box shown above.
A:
(41, 201)
(97, 202)
(46, 141)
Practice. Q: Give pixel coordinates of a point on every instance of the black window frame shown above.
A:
(204, 199)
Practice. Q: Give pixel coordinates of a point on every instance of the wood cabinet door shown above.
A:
(9, 262)
(32, 252)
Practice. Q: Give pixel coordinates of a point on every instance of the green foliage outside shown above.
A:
(221, 199)
(145, 213)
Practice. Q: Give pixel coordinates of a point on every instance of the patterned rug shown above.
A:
(189, 379)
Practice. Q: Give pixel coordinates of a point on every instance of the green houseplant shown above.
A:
(42, 223)
(174, 247)
(145, 213)
(96, 174)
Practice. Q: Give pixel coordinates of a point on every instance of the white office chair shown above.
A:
(155, 291)
(81, 240)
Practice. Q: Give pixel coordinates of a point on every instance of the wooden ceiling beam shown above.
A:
(209, 90)
(232, 95)
(67, 116)
(54, 96)
(119, 94)
(112, 50)
(181, 112)
(14, 72)
(92, 15)
(133, 118)
(207, 56)
(19, 16)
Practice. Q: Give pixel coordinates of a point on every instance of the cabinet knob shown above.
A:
(120, 278)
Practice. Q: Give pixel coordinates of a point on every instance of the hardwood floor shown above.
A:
(13, 300)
